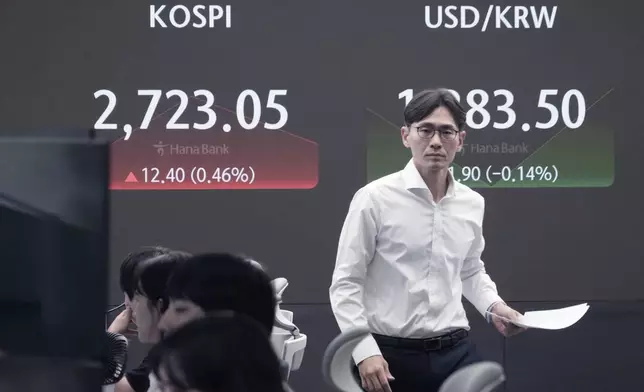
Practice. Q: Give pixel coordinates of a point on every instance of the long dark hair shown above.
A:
(127, 280)
(223, 281)
(151, 276)
(222, 352)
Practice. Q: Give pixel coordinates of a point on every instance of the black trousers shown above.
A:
(424, 370)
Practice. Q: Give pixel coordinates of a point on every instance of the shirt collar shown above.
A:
(413, 180)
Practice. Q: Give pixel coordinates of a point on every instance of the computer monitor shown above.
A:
(54, 238)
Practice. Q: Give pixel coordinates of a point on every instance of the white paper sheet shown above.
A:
(551, 319)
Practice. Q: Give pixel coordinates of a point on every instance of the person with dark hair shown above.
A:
(219, 281)
(148, 281)
(127, 278)
(409, 250)
(127, 283)
(224, 351)
(150, 300)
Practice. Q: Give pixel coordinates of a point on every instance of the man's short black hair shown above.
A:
(222, 281)
(129, 264)
(151, 276)
(426, 101)
(224, 351)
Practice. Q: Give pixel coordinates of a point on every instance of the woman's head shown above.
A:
(149, 300)
(219, 281)
(221, 352)
(127, 280)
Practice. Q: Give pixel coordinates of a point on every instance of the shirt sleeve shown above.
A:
(478, 287)
(138, 378)
(356, 248)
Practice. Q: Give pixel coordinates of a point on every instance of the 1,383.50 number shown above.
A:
(478, 99)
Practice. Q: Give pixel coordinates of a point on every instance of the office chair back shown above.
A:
(337, 363)
(289, 343)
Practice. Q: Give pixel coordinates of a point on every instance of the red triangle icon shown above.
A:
(131, 178)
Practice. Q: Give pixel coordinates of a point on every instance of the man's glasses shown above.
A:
(445, 132)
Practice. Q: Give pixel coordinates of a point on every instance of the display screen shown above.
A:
(248, 126)
(531, 116)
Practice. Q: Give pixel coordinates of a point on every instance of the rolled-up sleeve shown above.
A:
(356, 248)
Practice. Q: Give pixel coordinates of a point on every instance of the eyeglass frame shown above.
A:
(441, 128)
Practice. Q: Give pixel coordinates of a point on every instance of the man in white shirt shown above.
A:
(410, 248)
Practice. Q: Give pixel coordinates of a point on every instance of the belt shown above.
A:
(430, 344)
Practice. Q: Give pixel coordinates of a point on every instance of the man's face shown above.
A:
(433, 141)
(179, 312)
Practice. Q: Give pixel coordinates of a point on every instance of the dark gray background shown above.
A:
(547, 247)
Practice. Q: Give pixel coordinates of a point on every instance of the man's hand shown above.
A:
(122, 322)
(505, 327)
(374, 374)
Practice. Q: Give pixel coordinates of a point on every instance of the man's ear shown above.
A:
(461, 141)
(404, 134)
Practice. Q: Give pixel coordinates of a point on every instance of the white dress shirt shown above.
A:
(404, 261)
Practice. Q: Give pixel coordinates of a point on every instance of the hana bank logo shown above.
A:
(160, 148)
(203, 149)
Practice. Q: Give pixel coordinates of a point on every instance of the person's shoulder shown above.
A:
(370, 196)
(138, 378)
(375, 188)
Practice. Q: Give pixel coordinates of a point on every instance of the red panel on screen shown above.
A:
(159, 159)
